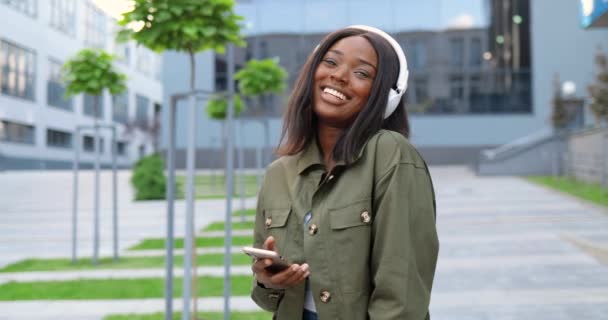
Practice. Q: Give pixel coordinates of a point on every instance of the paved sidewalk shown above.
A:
(509, 250)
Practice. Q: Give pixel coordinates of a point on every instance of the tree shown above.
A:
(189, 26)
(217, 107)
(91, 71)
(599, 90)
(183, 25)
(260, 77)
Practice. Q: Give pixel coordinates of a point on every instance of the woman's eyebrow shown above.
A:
(338, 52)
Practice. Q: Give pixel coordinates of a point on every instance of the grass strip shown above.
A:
(159, 243)
(237, 225)
(28, 265)
(214, 186)
(201, 315)
(247, 213)
(583, 190)
(117, 288)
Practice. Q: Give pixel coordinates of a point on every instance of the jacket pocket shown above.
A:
(350, 244)
(356, 214)
(276, 222)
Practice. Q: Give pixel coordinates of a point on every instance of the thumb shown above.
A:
(269, 243)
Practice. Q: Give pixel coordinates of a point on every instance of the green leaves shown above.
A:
(217, 107)
(91, 71)
(183, 25)
(261, 77)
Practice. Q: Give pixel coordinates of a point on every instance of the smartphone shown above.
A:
(278, 263)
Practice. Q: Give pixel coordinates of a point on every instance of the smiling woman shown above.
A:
(350, 202)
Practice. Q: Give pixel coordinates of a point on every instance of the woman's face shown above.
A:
(343, 81)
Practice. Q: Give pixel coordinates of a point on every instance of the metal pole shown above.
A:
(75, 199)
(229, 175)
(170, 214)
(96, 190)
(189, 242)
(242, 168)
(114, 194)
(258, 162)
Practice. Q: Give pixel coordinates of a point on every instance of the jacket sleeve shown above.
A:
(268, 299)
(405, 244)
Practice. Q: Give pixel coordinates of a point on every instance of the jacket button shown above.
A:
(312, 229)
(365, 217)
(268, 222)
(325, 296)
(331, 177)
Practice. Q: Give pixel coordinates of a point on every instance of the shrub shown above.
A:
(149, 178)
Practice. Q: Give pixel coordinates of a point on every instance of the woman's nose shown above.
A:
(339, 74)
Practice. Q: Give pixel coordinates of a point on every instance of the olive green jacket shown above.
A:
(371, 243)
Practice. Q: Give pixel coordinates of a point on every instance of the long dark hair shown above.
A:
(300, 120)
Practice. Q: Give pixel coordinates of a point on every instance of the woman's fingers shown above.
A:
(291, 276)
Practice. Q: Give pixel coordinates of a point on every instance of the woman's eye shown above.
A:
(362, 74)
(330, 62)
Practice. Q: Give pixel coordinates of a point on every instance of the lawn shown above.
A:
(237, 225)
(214, 186)
(212, 259)
(248, 213)
(117, 288)
(159, 243)
(587, 191)
(201, 315)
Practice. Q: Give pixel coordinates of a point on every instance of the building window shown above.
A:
(475, 53)
(421, 90)
(91, 103)
(145, 61)
(28, 7)
(121, 148)
(18, 71)
(120, 108)
(418, 54)
(94, 26)
(58, 139)
(55, 90)
(456, 52)
(88, 144)
(16, 132)
(141, 111)
(63, 16)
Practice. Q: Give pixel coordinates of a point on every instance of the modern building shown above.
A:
(481, 70)
(37, 124)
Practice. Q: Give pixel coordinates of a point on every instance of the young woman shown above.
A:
(350, 202)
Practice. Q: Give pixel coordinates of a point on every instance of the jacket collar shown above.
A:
(311, 156)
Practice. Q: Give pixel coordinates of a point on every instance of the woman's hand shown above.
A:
(287, 278)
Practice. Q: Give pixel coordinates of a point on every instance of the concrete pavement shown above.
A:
(509, 250)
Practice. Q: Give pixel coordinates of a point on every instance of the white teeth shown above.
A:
(335, 93)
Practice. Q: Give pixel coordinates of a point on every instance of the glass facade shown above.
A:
(465, 57)
(142, 105)
(16, 132)
(58, 139)
(88, 144)
(94, 26)
(17, 71)
(63, 16)
(90, 105)
(55, 89)
(28, 7)
(120, 108)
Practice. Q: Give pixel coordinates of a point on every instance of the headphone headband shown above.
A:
(394, 96)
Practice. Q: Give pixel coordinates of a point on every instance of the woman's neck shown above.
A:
(327, 136)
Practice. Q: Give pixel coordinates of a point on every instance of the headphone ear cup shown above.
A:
(393, 101)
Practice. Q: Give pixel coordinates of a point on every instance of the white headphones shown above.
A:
(395, 94)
